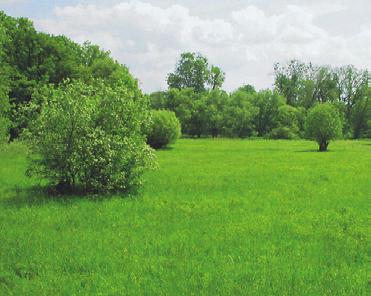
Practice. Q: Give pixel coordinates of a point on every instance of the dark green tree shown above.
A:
(239, 115)
(268, 103)
(31, 59)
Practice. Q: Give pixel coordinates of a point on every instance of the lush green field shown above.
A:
(219, 217)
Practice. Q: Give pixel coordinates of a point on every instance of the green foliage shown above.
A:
(368, 132)
(360, 117)
(186, 104)
(305, 85)
(287, 123)
(193, 71)
(31, 60)
(242, 114)
(323, 124)
(4, 90)
(283, 132)
(90, 136)
(248, 88)
(215, 103)
(288, 116)
(216, 77)
(268, 102)
(288, 79)
(165, 129)
(4, 117)
(239, 115)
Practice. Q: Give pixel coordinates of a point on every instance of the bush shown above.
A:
(4, 118)
(4, 129)
(90, 137)
(283, 132)
(165, 129)
(323, 123)
(239, 114)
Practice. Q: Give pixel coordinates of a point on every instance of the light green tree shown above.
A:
(323, 124)
(90, 137)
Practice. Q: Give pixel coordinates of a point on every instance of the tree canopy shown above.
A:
(30, 60)
(323, 124)
(193, 71)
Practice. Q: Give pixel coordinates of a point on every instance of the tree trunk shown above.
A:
(323, 146)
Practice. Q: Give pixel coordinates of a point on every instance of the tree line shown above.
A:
(195, 95)
(30, 60)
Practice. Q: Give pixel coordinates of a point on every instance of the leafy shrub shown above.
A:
(4, 119)
(283, 132)
(4, 129)
(288, 117)
(239, 115)
(268, 103)
(165, 129)
(90, 137)
(287, 123)
(323, 123)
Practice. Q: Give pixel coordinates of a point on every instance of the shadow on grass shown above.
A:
(307, 150)
(166, 148)
(41, 195)
(314, 150)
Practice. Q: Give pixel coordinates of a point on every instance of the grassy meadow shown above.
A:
(218, 217)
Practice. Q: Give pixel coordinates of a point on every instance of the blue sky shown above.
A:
(244, 37)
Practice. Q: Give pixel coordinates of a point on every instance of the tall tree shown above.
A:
(193, 71)
(216, 78)
(4, 89)
(289, 79)
(268, 103)
(247, 88)
(352, 85)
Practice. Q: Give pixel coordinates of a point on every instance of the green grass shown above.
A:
(219, 217)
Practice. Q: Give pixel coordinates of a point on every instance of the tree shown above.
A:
(268, 103)
(165, 129)
(35, 59)
(4, 89)
(216, 101)
(287, 123)
(239, 115)
(216, 77)
(4, 115)
(248, 88)
(189, 107)
(90, 137)
(360, 117)
(289, 79)
(193, 71)
(352, 85)
(323, 124)
(325, 85)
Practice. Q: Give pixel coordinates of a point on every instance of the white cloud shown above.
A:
(244, 42)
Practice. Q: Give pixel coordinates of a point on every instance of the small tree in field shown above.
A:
(90, 137)
(323, 124)
(165, 129)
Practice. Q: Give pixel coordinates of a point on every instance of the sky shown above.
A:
(243, 37)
